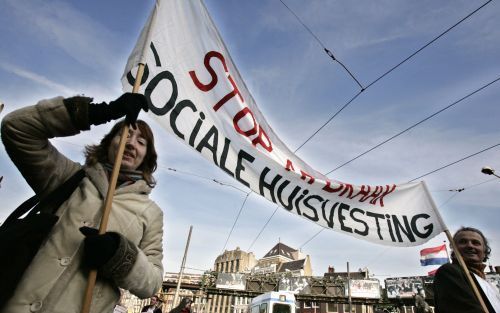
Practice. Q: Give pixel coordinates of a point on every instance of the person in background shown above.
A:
(452, 292)
(129, 255)
(153, 307)
(183, 307)
(420, 304)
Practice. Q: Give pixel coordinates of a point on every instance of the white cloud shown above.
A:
(39, 79)
(61, 25)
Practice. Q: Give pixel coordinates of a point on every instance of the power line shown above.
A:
(468, 187)
(449, 199)
(429, 43)
(314, 236)
(390, 70)
(237, 217)
(328, 52)
(326, 123)
(262, 229)
(484, 182)
(414, 125)
(202, 177)
(455, 162)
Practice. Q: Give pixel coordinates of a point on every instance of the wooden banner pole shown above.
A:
(109, 196)
(466, 271)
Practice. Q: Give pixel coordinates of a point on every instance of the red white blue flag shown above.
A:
(434, 256)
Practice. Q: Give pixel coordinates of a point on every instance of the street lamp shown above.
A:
(489, 171)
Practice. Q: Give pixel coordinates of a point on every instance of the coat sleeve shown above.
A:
(452, 292)
(146, 275)
(25, 135)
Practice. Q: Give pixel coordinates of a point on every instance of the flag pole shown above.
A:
(447, 253)
(455, 250)
(109, 196)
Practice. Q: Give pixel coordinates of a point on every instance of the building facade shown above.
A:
(233, 261)
(283, 259)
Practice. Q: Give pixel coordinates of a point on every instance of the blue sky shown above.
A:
(52, 48)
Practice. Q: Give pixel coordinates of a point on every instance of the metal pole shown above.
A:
(176, 295)
(349, 288)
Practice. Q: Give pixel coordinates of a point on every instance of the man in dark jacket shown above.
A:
(452, 292)
(153, 307)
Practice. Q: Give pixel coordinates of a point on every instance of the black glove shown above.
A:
(98, 249)
(128, 105)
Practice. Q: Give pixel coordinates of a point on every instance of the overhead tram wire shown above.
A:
(414, 125)
(429, 43)
(326, 123)
(328, 52)
(202, 177)
(468, 187)
(455, 162)
(451, 197)
(388, 71)
(484, 182)
(262, 229)
(237, 217)
(314, 236)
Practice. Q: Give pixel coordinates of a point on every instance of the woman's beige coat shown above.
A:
(55, 281)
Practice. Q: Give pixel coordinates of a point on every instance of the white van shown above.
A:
(273, 302)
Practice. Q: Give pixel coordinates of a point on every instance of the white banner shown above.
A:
(197, 94)
(364, 288)
(235, 281)
(296, 285)
(403, 287)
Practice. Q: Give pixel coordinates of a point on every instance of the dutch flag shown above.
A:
(434, 256)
